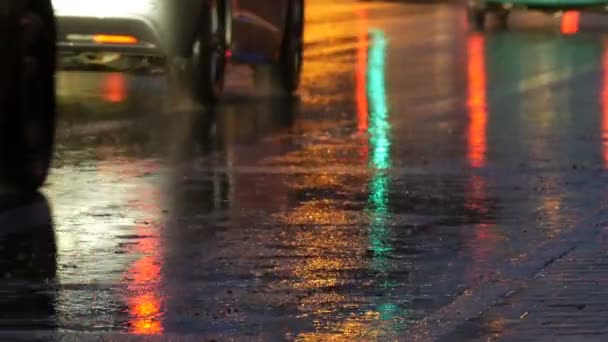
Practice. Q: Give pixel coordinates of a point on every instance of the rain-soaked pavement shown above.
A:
(423, 173)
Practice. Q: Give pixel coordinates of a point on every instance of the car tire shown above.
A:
(284, 75)
(28, 126)
(208, 60)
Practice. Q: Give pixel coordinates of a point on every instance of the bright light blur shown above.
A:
(114, 39)
(104, 8)
(570, 22)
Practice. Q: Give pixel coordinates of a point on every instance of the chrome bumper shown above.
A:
(76, 35)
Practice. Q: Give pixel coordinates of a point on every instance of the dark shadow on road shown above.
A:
(28, 263)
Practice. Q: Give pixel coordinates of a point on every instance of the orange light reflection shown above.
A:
(145, 306)
(115, 89)
(477, 102)
(145, 310)
(570, 22)
(145, 270)
(145, 302)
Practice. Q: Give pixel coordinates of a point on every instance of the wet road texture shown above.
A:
(423, 172)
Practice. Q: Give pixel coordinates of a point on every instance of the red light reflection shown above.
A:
(361, 72)
(144, 275)
(477, 102)
(361, 81)
(115, 89)
(483, 241)
(604, 104)
(570, 22)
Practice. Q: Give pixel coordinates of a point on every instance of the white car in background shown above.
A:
(266, 34)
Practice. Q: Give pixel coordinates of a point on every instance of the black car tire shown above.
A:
(208, 60)
(27, 127)
(284, 75)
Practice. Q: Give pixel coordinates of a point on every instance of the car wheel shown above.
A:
(208, 59)
(28, 129)
(284, 76)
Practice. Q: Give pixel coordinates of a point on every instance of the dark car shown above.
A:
(27, 91)
(196, 38)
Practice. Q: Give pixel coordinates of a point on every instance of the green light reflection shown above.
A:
(379, 187)
(376, 91)
(379, 138)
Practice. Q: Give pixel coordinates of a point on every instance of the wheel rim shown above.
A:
(215, 64)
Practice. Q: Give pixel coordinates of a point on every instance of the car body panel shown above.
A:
(258, 29)
(79, 21)
(167, 27)
(76, 34)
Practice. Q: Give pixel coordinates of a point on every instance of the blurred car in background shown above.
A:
(478, 10)
(193, 38)
(27, 92)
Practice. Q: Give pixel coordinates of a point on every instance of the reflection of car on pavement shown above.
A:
(196, 38)
(28, 255)
(478, 9)
(27, 91)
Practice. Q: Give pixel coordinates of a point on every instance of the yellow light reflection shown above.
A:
(551, 206)
(318, 212)
(325, 270)
(354, 328)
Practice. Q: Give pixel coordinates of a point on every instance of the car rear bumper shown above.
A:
(76, 34)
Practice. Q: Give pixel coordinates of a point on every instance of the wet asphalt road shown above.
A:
(423, 172)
